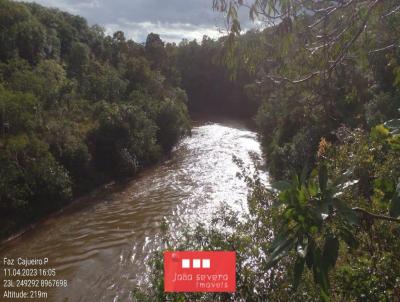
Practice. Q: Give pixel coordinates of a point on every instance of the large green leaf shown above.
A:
(298, 271)
(310, 254)
(330, 252)
(280, 238)
(304, 173)
(282, 242)
(302, 195)
(280, 251)
(324, 296)
(323, 177)
(319, 272)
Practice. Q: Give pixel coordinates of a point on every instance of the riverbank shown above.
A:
(82, 200)
(72, 206)
(111, 185)
(101, 245)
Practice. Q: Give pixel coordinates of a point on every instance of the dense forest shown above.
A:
(77, 108)
(322, 81)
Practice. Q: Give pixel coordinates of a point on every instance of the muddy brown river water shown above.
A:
(101, 246)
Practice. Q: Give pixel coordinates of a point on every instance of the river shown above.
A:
(101, 245)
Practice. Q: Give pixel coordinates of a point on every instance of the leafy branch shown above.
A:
(315, 221)
(347, 19)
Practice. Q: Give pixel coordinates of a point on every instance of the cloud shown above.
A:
(172, 19)
(170, 32)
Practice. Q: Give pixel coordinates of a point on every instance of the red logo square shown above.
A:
(199, 271)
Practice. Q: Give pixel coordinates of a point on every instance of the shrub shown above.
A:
(32, 183)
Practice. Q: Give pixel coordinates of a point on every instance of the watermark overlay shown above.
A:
(200, 271)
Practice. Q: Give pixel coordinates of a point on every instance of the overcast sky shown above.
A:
(172, 19)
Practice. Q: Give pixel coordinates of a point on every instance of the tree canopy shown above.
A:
(77, 108)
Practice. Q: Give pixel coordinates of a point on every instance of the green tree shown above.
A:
(155, 51)
(32, 182)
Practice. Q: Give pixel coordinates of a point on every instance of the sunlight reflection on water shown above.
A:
(101, 249)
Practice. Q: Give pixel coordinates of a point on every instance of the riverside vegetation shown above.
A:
(322, 80)
(325, 79)
(77, 108)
